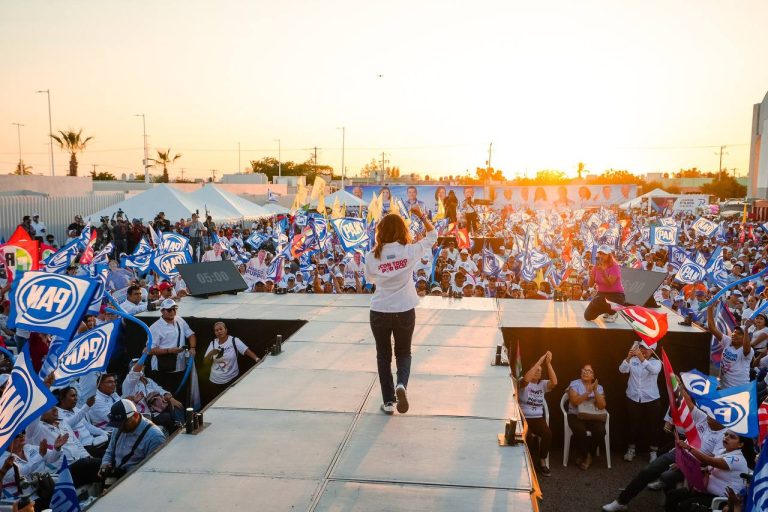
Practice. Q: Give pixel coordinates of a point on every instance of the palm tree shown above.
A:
(72, 142)
(22, 168)
(163, 159)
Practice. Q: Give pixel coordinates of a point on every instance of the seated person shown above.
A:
(150, 398)
(134, 438)
(93, 439)
(27, 459)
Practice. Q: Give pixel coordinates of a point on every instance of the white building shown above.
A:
(758, 153)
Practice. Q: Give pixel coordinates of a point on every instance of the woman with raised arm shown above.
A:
(531, 397)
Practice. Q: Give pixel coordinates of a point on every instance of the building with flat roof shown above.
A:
(758, 151)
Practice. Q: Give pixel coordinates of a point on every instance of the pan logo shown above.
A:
(85, 352)
(729, 413)
(691, 272)
(15, 406)
(47, 298)
(167, 262)
(665, 235)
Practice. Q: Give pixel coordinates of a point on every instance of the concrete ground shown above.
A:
(571, 489)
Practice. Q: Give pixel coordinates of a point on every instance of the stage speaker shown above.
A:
(640, 285)
(212, 277)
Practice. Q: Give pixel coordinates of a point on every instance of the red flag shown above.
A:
(462, 238)
(647, 324)
(762, 421)
(517, 371)
(87, 256)
(21, 253)
(678, 408)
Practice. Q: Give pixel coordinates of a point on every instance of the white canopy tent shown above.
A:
(636, 202)
(276, 209)
(218, 201)
(344, 198)
(162, 198)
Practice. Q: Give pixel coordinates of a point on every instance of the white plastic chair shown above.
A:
(567, 433)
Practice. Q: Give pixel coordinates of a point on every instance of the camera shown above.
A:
(559, 296)
(104, 218)
(120, 212)
(219, 352)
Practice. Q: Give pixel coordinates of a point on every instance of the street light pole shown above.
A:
(279, 159)
(50, 126)
(21, 164)
(343, 137)
(239, 169)
(146, 151)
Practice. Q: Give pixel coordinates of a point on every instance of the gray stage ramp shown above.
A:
(303, 430)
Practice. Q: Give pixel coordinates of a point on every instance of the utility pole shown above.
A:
(279, 159)
(94, 168)
(50, 125)
(21, 162)
(315, 161)
(182, 174)
(343, 137)
(239, 169)
(146, 151)
(383, 168)
(722, 152)
(490, 151)
(213, 173)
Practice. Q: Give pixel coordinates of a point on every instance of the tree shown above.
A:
(370, 168)
(653, 185)
(103, 176)
(73, 143)
(693, 172)
(393, 172)
(618, 177)
(724, 186)
(22, 169)
(270, 166)
(489, 174)
(163, 159)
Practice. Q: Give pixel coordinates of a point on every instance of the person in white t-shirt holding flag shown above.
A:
(532, 389)
(390, 267)
(737, 353)
(222, 356)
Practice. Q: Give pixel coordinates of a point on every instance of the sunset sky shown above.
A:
(643, 86)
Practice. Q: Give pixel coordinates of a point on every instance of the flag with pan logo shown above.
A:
(49, 303)
(64, 497)
(89, 352)
(173, 242)
(351, 232)
(735, 408)
(166, 264)
(697, 383)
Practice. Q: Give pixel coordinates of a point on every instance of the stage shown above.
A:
(303, 430)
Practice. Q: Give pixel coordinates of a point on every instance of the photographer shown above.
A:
(120, 234)
(104, 231)
(221, 355)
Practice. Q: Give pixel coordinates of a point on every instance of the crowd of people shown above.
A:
(102, 418)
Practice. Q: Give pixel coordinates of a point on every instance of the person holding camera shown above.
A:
(221, 355)
(643, 399)
(134, 438)
(21, 461)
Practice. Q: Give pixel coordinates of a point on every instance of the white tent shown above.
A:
(276, 209)
(636, 202)
(344, 198)
(162, 198)
(226, 205)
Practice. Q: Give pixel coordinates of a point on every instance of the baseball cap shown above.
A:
(666, 287)
(436, 288)
(643, 344)
(168, 304)
(464, 251)
(605, 249)
(288, 277)
(120, 412)
(164, 286)
(728, 265)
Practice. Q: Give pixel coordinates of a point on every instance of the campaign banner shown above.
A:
(140, 262)
(735, 408)
(49, 303)
(686, 203)
(351, 232)
(173, 242)
(58, 262)
(89, 352)
(697, 383)
(663, 235)
(690, 272)
(25, 398)
(535, 197)
(165, 264)
(100, 276)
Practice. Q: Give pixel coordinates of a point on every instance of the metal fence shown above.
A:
(57, 212)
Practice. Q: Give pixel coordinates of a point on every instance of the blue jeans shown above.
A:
(656, 470)
(384, 326)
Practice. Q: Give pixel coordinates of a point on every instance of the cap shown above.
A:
(120, 412)
(666, 287)
(164, 286)
(436, 288)
(643, 344)
(464, 251)
(168, 304)
(502, 248)
(154, 289)
(35, 214)
(605, 249)
(728, 265)
(288, 277)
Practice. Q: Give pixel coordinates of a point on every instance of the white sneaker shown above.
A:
(388, 408)
(402, 399)
(653, 456)
(610, 317)
(614, 506)
(630, 455)
(655, 486)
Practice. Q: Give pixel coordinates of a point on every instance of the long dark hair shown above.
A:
(391, 228)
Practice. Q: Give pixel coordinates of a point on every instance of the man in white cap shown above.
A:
(171, 338)
(466, 263)
(39, 227)
(135, 438)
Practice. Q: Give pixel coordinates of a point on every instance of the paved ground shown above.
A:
(571, 489)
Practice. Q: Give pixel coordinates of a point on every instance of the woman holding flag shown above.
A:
(390, 267)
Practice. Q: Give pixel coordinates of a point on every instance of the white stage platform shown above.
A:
(303, 430)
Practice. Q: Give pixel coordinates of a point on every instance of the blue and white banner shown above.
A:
(173, 242)
(58, 262)
(140, 262)
(715, 268)
(165, 264)
(698, 384)
(256, 240)
(25, 398)
(492, 262)
(301, 218)
(757, 494)
(690, 272)
(49, 303)
(89, 352)
(64, 498)
(101, 276)
(142, 247)
(663, 235)
(734, 408)
(352, 233)
(668, 221)
(103, 255)
(677, 256)
(704, 227)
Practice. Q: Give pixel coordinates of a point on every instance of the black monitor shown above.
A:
(212, 277)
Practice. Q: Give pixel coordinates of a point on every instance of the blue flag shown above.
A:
(351, 232)
(735, 408)
(690, 272)
(89, 352)
(49, 303)
(663, 235)
(101, 273)
(704, 227)
(697, 383)
(166, 264)
(64, 497)
(58, 262)
(173, 242)
(25, 398)
(757, 496)
(256, 240)
(677, 256)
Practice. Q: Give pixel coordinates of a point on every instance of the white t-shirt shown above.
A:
(393, 274)
(532, 398)
(754, 333)
(711, 440)
(734, 366)
(719, 479)
(224, 369)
